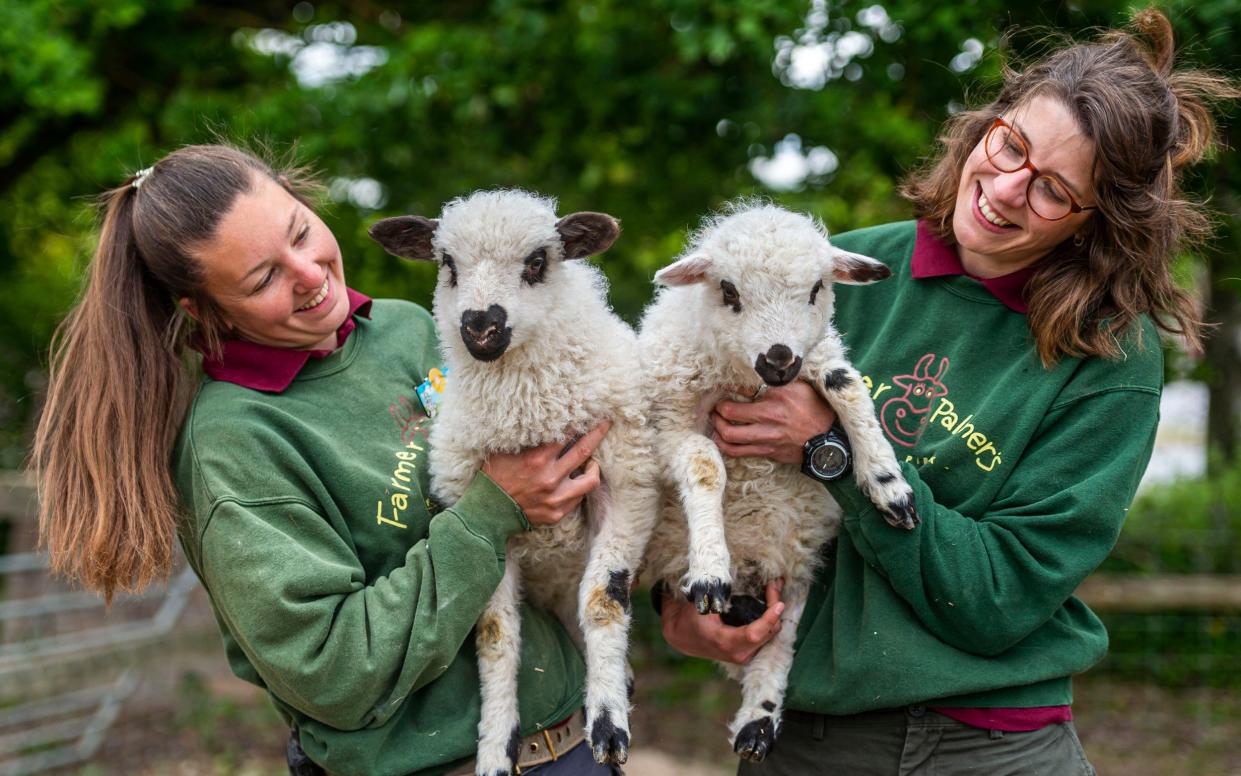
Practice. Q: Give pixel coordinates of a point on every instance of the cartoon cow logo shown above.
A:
(905, 417)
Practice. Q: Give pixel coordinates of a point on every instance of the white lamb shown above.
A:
(536, 356)
(749, 304)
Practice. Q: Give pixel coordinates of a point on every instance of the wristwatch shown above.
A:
(827, 457)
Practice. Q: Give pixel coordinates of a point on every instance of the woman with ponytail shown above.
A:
(1015, 364)
(293, 473)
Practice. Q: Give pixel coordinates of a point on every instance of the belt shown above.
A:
(542, 747)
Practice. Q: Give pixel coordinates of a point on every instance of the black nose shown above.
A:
(778, 366)
(484, 332)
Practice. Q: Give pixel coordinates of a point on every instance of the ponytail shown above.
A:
(116, 397)
(119, 382)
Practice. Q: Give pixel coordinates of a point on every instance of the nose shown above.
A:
(308, 275)
(778, 366)
(484, 332)
(1009, 188)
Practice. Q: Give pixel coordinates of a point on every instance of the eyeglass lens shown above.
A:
(1046, 195)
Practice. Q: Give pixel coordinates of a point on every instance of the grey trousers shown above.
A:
(916, 742)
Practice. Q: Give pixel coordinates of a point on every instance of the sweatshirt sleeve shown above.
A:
(984, 582)
(326, 642)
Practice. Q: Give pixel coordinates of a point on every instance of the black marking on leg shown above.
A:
(756, 740)
(885, 477)
(769, 706)
(837, 379)
(513, 751)
(902, 513)
(618, 588)
(608, 743)
(710, 596)
(743, 610)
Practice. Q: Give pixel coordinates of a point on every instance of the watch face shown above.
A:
(828, 460)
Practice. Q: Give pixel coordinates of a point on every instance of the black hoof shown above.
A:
(902, 513)
(608, 743)
(755, 740)
(743, 610)
(710, 596)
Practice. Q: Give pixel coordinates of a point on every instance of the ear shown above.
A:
(587, 234)
(406, 236)
(683, 272)
(857, 270)
(190, 308)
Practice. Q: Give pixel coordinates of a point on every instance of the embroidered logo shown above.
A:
(904, 418)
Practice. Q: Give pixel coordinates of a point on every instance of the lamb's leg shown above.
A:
(874, 464)
(498, 639)
(624, 514)
(697, 468)
(763, 683)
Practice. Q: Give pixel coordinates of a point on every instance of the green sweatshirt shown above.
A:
(1022, 477)
(336, 584)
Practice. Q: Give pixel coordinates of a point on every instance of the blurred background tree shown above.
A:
(656, 112)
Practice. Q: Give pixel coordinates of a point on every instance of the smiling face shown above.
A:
(273, 268)
(995, 229)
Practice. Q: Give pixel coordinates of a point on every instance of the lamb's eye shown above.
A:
(814, 292)
(536, 267)
(731, 297)
(452, 270)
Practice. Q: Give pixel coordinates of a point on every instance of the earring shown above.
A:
(1078, 240)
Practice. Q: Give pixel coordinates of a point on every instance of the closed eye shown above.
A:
(266, 281)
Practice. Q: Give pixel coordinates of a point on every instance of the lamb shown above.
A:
(749, 304)
(535, 356)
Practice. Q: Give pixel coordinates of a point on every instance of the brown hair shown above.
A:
(120, 378)
(1148, 122)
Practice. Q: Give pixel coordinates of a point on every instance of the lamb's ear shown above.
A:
(856, 269)
(406, 236)
(691, 269)
(587, 234)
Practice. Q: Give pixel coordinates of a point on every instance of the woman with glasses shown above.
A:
(1015, 364)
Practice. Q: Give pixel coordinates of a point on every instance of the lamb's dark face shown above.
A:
(501, 261)
(765, 295)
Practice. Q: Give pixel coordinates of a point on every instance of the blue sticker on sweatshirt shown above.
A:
(431, 391)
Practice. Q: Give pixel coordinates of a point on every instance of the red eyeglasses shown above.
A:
(1047, 196)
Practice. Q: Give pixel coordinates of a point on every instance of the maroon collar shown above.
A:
(272, 369)
(935, 258)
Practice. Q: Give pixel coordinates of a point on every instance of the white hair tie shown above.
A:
(140, 176)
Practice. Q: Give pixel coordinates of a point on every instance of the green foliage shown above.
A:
(651, 111)
(1190, 526)
(1184, 527)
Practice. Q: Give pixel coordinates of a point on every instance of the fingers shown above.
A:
(743, 434)
(574, 488)
(766, 627)
(774, 588)
(576, 454)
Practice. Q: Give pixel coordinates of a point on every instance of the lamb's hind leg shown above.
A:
(624, 516)
(875, 466)
(498, 639)
(763, 683)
